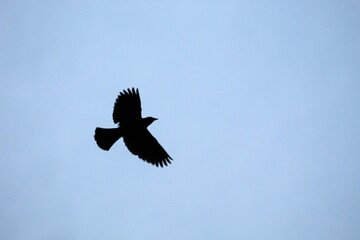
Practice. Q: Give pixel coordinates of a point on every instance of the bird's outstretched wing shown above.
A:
(147, 148)
(127, 108)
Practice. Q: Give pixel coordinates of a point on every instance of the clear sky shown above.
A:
(258, 104)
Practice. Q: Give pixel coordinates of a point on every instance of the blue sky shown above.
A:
(258, 104)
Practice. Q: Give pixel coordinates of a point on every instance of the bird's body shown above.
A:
(133, 129)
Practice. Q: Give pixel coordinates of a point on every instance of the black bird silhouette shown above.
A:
(133, 129)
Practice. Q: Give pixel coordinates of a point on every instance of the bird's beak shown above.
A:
(156, 119)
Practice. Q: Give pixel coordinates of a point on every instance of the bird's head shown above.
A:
(149, 120)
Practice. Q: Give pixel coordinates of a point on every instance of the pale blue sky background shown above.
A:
(258, 101)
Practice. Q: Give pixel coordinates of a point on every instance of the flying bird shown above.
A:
(133, 129)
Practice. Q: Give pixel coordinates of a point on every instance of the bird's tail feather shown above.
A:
(106, 137)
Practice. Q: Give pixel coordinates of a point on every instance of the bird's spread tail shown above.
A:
(106, 137)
